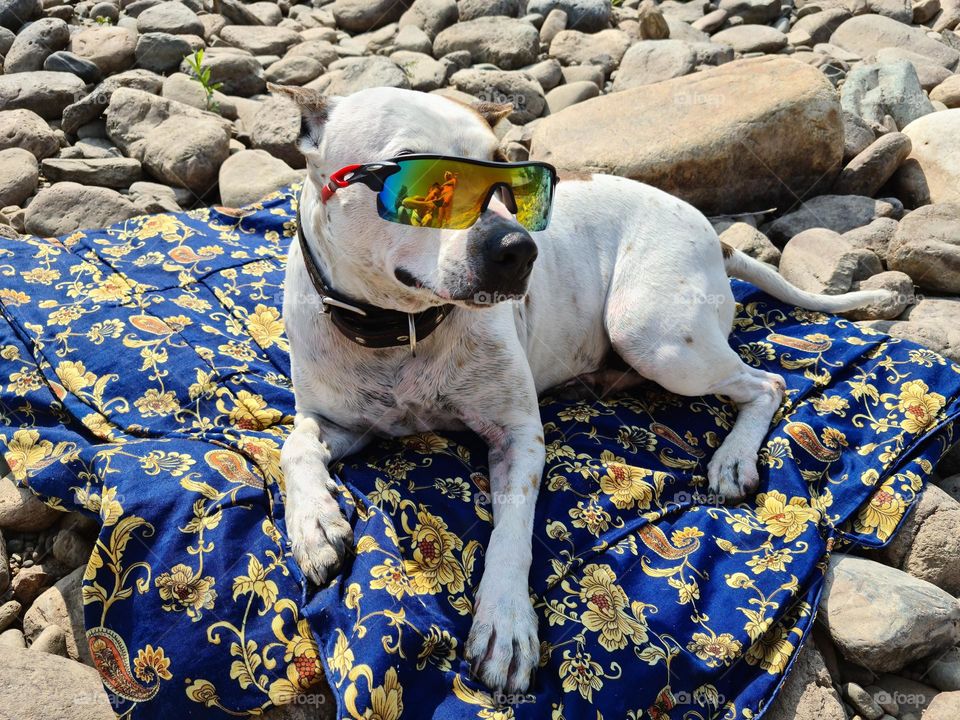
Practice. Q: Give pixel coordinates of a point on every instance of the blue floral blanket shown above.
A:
(145, 381)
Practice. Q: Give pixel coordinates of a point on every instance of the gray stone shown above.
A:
(70, 690)
(12, 638)
(819, 26)
(61, 605)
(555, 22)
(422, 71)
(650, 61)
(899, 10)
(807, 693)
(412, 38)
(34, 43)
(8, 613)
(20, 509)
(112, 48)
(874, 236)
(870, 170)
(18, 176)
(260, 40)
(276, 129)
(92, 105)
(152, 197)
(585, 15)
(943, 671)
(500, 86)
(948, 92)
(52, 640)
(162, 52)
(549, 73)
(45, 93)
(238, 73)
(118, 173)
(29, 582)
(320, 50)
(170, 17)
(839, 213)
(472, 9)
(14, 13)
(882, 618)
(819, 261)
(576, 73)
(107, 10)
(504, 42)
(65, 61)
(711, 22)
(605, 48)
(752, 38)
(752, 11)
(431, 16)
(933, 322)
(862, 702)
(857, 135)
(866, 34)
(294, 70)
(71, 549)
(4, 578)
(927, 247)
(929, 74)
(571, 94)
(250, 175)
(350, 75)
(931, 173)
(65, 207)
(901, 296)
(6, 38)
(875, 91)
(945, 706)
(363, 15)
(749, 240)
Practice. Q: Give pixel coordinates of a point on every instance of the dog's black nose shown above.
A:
(511, 256)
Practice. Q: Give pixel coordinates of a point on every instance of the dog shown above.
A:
(622, 268)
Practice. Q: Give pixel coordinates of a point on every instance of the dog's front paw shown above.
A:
(732, 472)
(320, 542)
(502, 647)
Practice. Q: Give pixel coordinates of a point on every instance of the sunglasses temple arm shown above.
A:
(341, 178)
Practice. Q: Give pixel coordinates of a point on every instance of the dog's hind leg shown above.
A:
(320, 536)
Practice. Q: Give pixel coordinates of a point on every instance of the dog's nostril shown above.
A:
(516, 252)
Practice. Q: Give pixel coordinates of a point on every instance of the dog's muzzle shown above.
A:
(502, 254)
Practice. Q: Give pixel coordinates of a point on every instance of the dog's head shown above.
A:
(390, 264)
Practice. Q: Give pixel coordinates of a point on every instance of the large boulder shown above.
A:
(65, 207)
(866, 35)
(931, 172)
(747, 135)
(249, 175)
(506, 42)
(35, 43)
(881, 618)
(112, 49)
(927, 247)
(45, 93)
(875, 91)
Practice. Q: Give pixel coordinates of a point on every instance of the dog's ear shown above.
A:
(315, 108)
(492, 112)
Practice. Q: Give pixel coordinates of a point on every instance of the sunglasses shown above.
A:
(451, 193)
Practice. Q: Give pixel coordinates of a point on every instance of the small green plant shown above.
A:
(202, 76)
(103, 20)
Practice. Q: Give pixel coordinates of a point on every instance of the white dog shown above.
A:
(622, 267)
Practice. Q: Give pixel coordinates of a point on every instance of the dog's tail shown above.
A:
(740, 265)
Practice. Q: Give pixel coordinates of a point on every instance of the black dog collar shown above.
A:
(368, 325)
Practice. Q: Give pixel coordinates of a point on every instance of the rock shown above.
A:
(351, 75)
(12, 638)
(586, 15)
(422, 71)
(107, 10)
(866, 34)
(870, 170)
(605, 48)
(571, 94)
(295, 70)
(65, 207)
(862, 702)
(819, 261)
(61, 605)
(260, 40)
(163, 52)
(27, 130)
(948, 17)
(555, 21)
(252, 174)
(276, 129)
(927, 247)
(116, 173)
(29, 582)
(504, 42)
(931, 173)
(875, 91)
(933, 322)
(472, 9)
(170, 17)
(45, 93)
(4, 577)
(71, 549)
(948, 92)
(752, 38)
(91, 106)
(499, 86)
(943, 671)
(883, 619)
(66, 62)
(653, 26)
(751, 241)
(711, 22)
(945, 706)
(238, 73)
(650, 61)
(70, 690)
(857, 135)
(154, 197)
(8, 613)
(901, 296)
(929, 74)
(807, 693)
(431, 16)
(839, 213)
(14, 13)
(752, 11)
(820, 26)
(320, 50)
(593, 73)
(874, 236)
(924, 11)
(34, 43)
(789, 121)
(412, 38)
(18, 176)
(899, 10)
(21, 510)
(549, 73)
(52, 640)
(362, 15)
(112, 48)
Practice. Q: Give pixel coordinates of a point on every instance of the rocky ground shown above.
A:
(821, 136)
